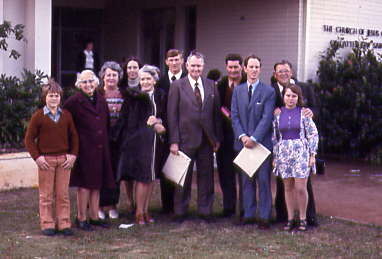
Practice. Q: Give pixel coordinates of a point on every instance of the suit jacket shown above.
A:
(164, 81)
(253, 118)
(186, 121)
(81, 60)
(307, 92)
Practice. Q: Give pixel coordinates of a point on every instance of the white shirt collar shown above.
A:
(200, 85)
(281, 88)
(177, 75)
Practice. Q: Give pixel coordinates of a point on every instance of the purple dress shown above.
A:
(295, 139)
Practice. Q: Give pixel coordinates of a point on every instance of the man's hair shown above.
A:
(297, 90)
(283, 62)
(173, 53)
(196, 54)
(233, 57)
(249, 57)
(50, 87)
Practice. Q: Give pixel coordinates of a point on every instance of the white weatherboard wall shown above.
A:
(269, 29)
(35, 52)
(359, 14)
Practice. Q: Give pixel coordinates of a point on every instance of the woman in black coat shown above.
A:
(141, 134)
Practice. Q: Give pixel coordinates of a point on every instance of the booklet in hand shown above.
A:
(250, 159)
(176, 167)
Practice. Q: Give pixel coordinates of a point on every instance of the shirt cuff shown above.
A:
(242, 135)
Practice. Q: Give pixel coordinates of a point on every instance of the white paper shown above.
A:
(249, 160)
(126, 225)
(176, 166)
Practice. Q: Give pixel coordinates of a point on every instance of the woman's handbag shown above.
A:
(320, 166)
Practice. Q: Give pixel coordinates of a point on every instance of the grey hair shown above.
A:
(86, 71)
(152, 70)
(196, 54)
(113, 66)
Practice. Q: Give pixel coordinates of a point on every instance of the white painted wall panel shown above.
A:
(268, 29)
(348, 13)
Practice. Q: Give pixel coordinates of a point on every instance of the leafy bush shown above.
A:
(19, 98)
(350, 92)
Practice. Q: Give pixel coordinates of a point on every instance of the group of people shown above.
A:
(121, 126)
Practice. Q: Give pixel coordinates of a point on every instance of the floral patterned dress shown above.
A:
(295, 139)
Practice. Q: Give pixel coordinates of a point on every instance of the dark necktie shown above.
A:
(249, 93)
(173, 78)
(198, 95)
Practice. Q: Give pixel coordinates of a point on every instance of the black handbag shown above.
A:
(320, 166)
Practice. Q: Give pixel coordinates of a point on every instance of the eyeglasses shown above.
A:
(86, 81)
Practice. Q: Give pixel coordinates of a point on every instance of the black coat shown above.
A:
(137, 142)
(164, 81)
(81, 60)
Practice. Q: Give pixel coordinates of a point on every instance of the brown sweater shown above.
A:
(46, 137)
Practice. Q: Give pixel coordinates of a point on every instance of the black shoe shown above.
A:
(207, 218)
(289, 226)
(66, 232)
(48, 232)
(263, 225)
(312, 222)
(302, 226)
(179, 219)
(227, 213)
(83, 225)
(247, 221)
(99, 223)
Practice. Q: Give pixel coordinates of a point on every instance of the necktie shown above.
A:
(198, 95)
(173, 78)
(249, 92)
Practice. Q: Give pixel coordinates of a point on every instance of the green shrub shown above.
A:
(19, 98)
(350, 93)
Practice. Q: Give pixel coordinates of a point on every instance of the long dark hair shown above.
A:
(297, 90)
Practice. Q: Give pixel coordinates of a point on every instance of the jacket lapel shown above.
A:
(83, 100)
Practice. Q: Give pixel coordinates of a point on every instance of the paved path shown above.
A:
(347, 193)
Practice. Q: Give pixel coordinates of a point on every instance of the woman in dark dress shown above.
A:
(141, 134)
(93, 169)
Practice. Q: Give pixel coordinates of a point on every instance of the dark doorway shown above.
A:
(71, 28)
(157, 35)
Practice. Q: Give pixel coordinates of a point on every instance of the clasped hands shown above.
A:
(67, 164)
(156, 123)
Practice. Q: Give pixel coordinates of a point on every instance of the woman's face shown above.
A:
(290, 99)
(147, 82)
(111, 78)
(53, 100)
(87, 83)
(132, 69)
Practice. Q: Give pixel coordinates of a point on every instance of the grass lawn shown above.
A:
(20, 236)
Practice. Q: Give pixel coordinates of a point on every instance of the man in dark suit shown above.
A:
(283, 77)
(88, 58)
(194, 125)
(174, 61)
(226, 153)
(252, 109)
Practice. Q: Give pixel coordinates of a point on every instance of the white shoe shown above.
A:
(101, 215)
(113, 214)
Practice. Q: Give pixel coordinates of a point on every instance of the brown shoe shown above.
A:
(139, 219)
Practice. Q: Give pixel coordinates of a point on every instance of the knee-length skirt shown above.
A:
(292, 159)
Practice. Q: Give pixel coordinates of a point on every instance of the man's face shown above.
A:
(252, 69)
(233, 69)
(283, 74)
(195, 67)
(174, 64)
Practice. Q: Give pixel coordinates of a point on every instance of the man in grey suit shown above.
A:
(252, 108)
(194, 125)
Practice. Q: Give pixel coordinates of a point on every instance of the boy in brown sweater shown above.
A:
(52, 141)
